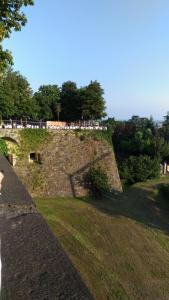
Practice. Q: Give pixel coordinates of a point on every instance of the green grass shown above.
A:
(119, 245)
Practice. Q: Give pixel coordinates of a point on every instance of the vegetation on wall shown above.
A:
(36, 177)
(3, 147)
(99, 135)
(99, 181)
(32, 139)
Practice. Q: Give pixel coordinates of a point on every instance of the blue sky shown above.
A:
(124, 44)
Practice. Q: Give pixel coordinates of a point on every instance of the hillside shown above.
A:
(120, 245)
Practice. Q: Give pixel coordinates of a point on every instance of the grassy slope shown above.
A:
(120, 246)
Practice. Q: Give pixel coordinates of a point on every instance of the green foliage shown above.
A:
(37, 180)
(111, 124)
(85, 103)
(71, 105)
(3, 147)
(135, 138)
(92, 101)
(5, 60)
(139, 147)
(17, 100)
(99, 181)
(99, 135)
(32, 139)
(16, 97)
(10, 18)
(46, 100)
(139, 168)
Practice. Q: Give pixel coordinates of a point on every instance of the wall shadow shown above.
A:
(138, 204)
(77, 178)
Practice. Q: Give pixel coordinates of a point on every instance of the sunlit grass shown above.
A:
(120, 245)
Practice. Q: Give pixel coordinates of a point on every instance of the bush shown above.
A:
(3, 147)
(99, 181)
(139, 169)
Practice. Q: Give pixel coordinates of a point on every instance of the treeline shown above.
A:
(68, 102)
(141, 145)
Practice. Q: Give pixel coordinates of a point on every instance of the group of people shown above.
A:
(52, 125)
(14, 125)
(72, 127)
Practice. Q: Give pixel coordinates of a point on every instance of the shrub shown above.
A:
(3, 147)
(99, 181)
(139, 168)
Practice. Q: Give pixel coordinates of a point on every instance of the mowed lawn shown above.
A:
(119, 245)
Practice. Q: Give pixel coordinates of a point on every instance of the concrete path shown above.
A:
(34, 265)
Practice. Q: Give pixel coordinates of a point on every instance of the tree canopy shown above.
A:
(92, 101)
(71, 106)
(140, 147)
(16, 97)
(85, 103)
(17, 100)
(11, 18)
(46, 100)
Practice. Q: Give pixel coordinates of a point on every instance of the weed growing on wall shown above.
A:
(32, 139)
(99, 135)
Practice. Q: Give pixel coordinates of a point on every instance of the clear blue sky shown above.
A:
(124, 44)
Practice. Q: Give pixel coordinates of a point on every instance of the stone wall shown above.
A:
(65, 162)
(33, 264)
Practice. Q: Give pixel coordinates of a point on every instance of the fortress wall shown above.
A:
(65, 163)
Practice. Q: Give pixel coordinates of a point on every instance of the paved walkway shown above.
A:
(34, 265)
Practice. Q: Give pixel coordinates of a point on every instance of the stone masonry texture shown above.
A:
(65, 162)
(34, 265)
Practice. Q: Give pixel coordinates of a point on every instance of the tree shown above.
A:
(46, 100)
(139, 168)
(70, 101)
(111, 124)
(92, 101)
(16, 97)
(165, 128)
(10, 18)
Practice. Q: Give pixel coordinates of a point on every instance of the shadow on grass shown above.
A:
(145, 205)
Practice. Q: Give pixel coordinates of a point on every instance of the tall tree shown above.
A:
(92, 100)
(46, 99)
(16, 97)
(165, 128)
(70, 101)
(11, 18)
